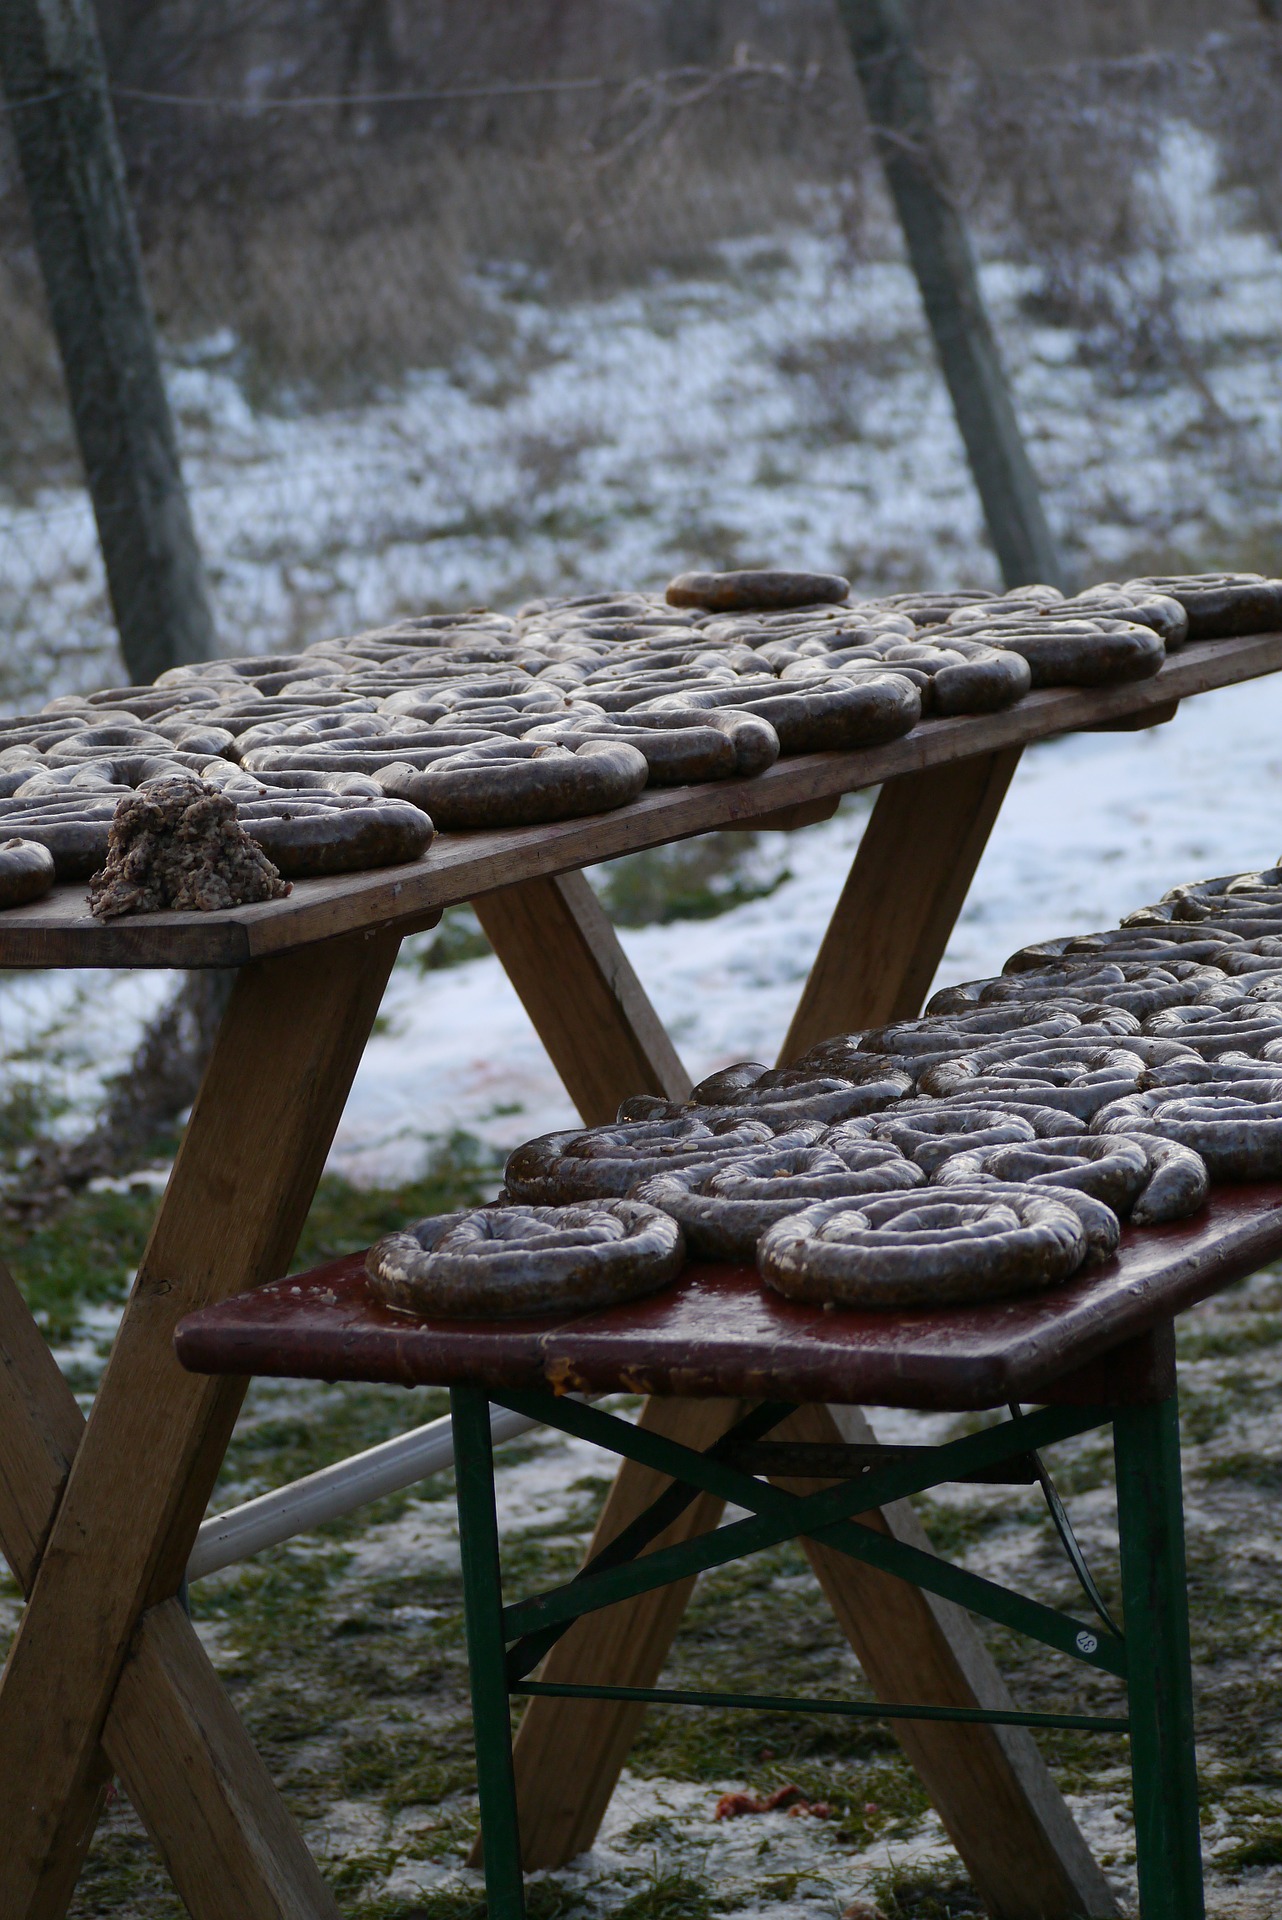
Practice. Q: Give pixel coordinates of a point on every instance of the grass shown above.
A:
(86, 1252)
(83, 1255)
(1264, 1851)
(925, 1892)
(670, 1895)
(1260, 1470)
(343, 1651)
(457, 939)
(694, 880)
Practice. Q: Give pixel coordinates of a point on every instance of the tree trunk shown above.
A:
(60, 111)
(897, 96)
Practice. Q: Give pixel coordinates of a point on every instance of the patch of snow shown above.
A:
(786, 406)
(1093, 826)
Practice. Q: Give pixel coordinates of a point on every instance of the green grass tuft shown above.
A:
(457, 939)
(670, 1894)
(694, 880)
(87, 1251)
(85, 1254)
(1262, 1470)
(1264, 1850)
(926, 1891)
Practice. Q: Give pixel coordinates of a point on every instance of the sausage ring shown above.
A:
(1109, 1167)
(724, 1212)
(26, 872)
(306, 834)
(1246, 1027)
(1075, 652)
(752, 589)
(1221, 605)
(513, 783)
(603, 1163)
(934, 1130)
(498, 1262)
(917, 1251)
(787, 1096)
(1239, 1138)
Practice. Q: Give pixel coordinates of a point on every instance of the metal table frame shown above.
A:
(506, 1643)
(774, 1377)
(106, 1674)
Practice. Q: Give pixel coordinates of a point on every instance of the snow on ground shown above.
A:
(786, 405)
(786, 410)
(1092, 827)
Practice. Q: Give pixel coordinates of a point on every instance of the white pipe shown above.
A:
(335, 1491)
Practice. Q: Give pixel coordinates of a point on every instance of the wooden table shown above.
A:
(1099, 1351)
(106, 1675)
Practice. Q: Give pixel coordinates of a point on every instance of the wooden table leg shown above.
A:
(185, 1759)
(568, 1754)
(40, 1429)
(896, 913)
(989, 1785)
(140, 1478)
(586, 1004)
(900, 904)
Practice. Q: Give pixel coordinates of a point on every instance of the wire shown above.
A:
(499, 89)
(1068, 1539)
(488, 90)
(37, 99)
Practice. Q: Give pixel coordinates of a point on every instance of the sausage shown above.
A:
(724, 1211)
(981, 1243)
(26, 872)
(501, 1262)
(754, 588)
(511, 783)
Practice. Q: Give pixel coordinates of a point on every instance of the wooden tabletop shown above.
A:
(720, 1332)
(58, 931)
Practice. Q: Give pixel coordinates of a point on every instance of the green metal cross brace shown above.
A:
(1150, 1512)
(526, 1653)
(821, 1516)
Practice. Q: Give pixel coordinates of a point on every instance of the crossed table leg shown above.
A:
(97, 1518)
(887, 936)
(105, 1672)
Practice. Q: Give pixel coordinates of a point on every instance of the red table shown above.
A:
(719, 1332)
(1098, 1351)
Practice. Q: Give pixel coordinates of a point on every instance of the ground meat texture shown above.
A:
(180, 847)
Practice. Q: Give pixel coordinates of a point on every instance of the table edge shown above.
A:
(460, 867)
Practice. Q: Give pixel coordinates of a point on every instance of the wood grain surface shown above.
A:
(569, 1755)
(59, 931)
(562, 955)
(990, 1785)
(899, 906)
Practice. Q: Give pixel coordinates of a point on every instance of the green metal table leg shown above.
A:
(1168, 1847)
(487, 1653)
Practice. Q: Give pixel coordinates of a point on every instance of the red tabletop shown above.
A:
(719, 1332)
